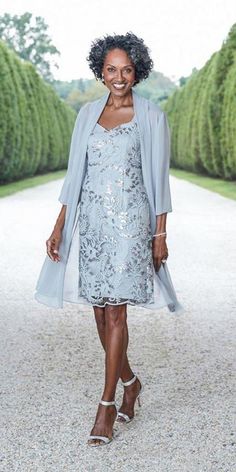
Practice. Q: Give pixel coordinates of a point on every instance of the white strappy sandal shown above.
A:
(127, 418)
(103, 439)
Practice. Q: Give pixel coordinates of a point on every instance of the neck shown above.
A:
(116, 102)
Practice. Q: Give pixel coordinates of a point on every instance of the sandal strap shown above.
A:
(103, 438)
(126, 384)
(104, 403)
(123, 415)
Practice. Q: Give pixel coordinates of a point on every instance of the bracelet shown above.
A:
(159, 234)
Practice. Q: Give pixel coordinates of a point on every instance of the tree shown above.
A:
(35, 124)
(202, 116)
(29, 39)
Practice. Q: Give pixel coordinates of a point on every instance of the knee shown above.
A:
(116, 316)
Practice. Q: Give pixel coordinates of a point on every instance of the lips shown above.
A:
(119, 86)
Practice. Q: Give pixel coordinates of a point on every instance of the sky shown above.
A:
(180, 34)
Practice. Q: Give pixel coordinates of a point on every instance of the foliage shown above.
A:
(35, 124)
(202, 116)
(29, 39)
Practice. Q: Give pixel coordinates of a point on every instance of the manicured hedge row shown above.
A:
(35, 124)
(202, 116)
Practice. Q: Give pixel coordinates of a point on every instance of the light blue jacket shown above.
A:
(155, 154)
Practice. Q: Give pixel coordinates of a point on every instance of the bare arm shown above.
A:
(161, 223)
(53, 242)
(159, 247)
(61, 219)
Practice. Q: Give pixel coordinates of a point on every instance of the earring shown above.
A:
(103, 81)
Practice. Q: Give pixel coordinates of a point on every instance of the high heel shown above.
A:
(127, 418)
(103, 439)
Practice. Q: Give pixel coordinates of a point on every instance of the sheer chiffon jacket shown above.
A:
(58, 282)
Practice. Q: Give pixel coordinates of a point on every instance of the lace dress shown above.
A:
(115, 239)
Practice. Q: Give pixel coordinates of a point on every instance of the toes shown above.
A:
(120, 419)
(95, 442)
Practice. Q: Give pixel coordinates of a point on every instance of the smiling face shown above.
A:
(118, 71)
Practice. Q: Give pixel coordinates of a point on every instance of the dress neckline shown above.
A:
(117, 126)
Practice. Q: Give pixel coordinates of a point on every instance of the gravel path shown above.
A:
(52, 362)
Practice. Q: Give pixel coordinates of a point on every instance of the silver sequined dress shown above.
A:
(115, 239)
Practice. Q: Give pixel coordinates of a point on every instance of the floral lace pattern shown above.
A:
(115, 254)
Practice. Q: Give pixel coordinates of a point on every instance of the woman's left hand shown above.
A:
(159, 251)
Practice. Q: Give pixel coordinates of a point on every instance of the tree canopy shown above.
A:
(29, 38)
(202, 115)
(35, 124)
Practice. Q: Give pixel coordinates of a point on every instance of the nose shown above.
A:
(119, 75)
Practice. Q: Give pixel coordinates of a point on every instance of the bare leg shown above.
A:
(126, 371)
(131, 392)
(115, 320)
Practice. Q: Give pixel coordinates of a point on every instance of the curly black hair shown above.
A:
(134, 47)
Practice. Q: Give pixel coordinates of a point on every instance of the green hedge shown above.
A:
(202, 116)
(35, 124)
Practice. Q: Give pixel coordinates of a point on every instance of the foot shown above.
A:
(130, 395)
(103, 425)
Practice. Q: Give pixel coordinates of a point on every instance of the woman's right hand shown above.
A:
(53, 243)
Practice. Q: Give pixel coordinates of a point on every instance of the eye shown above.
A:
(110, 69)
(129, 70)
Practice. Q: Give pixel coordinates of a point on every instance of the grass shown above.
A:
(225, 188)
(9, 189)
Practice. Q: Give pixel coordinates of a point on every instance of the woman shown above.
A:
(109, 239)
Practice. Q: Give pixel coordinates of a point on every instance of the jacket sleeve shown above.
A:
(161, 164)
(64, 193)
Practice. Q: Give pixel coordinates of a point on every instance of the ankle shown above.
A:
(130, 382)
(108, 398)
(127, 376)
